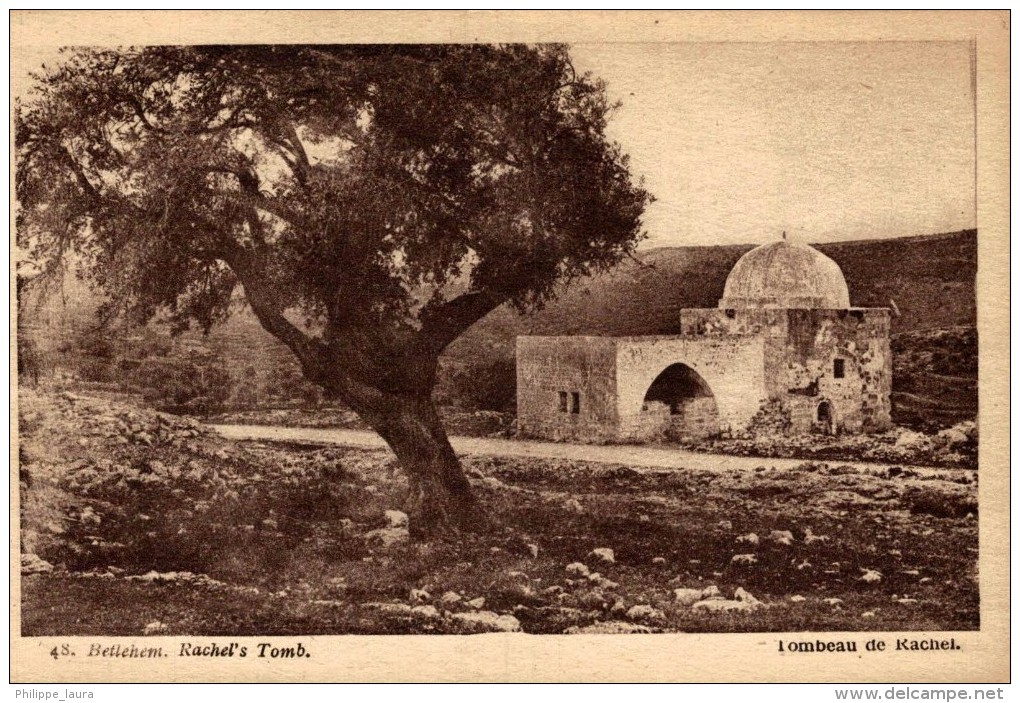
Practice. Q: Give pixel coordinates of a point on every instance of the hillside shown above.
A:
(930, 278)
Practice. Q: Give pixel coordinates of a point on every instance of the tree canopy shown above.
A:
(372, 201)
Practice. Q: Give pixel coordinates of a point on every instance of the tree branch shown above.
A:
(448, 321)
(265, 303)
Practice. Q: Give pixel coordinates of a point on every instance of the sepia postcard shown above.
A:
(509, 346)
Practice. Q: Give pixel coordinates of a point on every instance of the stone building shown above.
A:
(783, 352)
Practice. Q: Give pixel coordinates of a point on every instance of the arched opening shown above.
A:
(826, 423)
(684, 402)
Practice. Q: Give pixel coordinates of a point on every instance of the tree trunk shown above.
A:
(440, 503)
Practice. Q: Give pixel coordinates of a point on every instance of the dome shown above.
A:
(785, 274)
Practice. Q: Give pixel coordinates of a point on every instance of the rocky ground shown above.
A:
(466, 423)
(955, 446)
(136, 522)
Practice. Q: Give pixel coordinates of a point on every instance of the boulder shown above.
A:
(871, 576)
(449, 598)
(396, 518)
(578, 568)
(388, 536)
(604, 554)
(488, 621)
(744, 597)
(781, 537)
(687, 596)
(721, 605)
(711, 592)
(155, 628)
(644, 612)
(426, 611)
(34, 564)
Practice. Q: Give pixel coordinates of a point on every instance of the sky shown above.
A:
(827, 141)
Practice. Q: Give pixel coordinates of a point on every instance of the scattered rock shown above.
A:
(721, 605)
(574, 506)
(644, 612)
(449, 598)
(552, 590)
(419, 595)
(725, 525)
(605, 554)
(659, 561)
(833, 601)
(155, 628)
(578, 568)
(492, 482)
(781, 537)
(391, 608)
(744, 597)
(798, 599)
(476, 603)
(388, 536)
(533, 548)
(487, 621)
(602, 582)
(871, 576)
(913, 441)
(868, 614)
(750, 538)
(610, 627)
(953, 437)
(396, 518)
(55, 528)
(687, 596)
(744, 559)
(270, 524)
(426, 611)
(711, 592)
(34, 564)
(811, 538)
(88, 516)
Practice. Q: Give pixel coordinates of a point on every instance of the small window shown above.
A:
(575, 403)
(838, 368)
(563, 401)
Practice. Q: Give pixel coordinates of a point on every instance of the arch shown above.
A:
(825, 418)
(684, 402)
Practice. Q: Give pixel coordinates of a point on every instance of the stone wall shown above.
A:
(754, 362)
(802, 369)
(731, 366)
(698, 417)
(801, 349)
(858, 341)
(550, 371)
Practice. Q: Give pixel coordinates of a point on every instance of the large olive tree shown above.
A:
(373, 202)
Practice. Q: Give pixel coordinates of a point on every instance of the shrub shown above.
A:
(183, 385)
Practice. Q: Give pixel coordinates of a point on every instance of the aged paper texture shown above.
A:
(795, 548)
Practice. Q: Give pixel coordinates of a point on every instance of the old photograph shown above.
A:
(470, 337)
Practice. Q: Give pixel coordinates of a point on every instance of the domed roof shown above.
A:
(785, 274)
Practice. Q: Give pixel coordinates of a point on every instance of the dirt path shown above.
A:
(628, 455)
